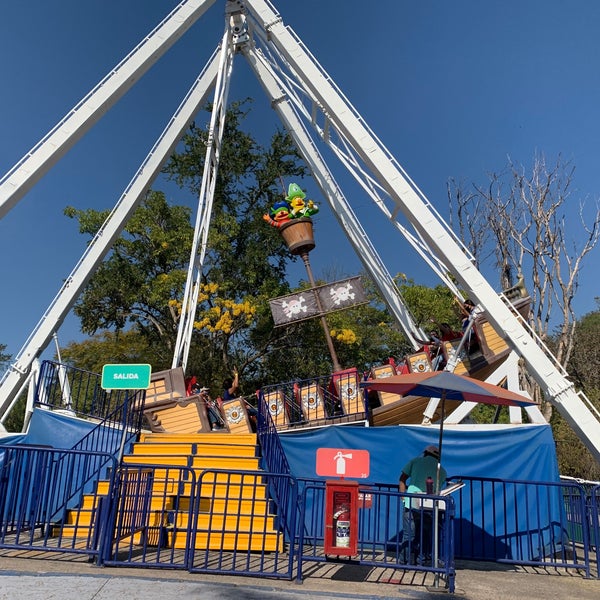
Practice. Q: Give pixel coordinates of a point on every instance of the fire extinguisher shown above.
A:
(341, 517)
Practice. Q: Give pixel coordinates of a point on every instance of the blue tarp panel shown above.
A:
(53, 429)
(525, 452)
(12, 439)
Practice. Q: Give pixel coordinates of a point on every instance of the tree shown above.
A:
(140, 285)
(430, 306)
(519, 220)
(145, 270)
(584, 365)
(4, 358)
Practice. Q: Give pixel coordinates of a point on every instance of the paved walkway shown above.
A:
(33, 579)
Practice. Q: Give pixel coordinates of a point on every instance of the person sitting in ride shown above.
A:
(447, 334)
(230, 392)
(213, 413)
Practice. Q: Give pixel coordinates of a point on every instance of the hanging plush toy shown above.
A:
(293, 207)
(279, 214)
(298, 206)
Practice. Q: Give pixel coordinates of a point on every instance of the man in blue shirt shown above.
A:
(422, 471)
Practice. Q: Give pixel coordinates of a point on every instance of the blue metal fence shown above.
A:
(594, 522)
(151, 508)
(231, 522)
(37, 486)
(381, 541)
(218, 521)
(522, 522)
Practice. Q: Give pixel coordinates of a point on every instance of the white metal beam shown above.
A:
(109, 232)
(205, 203)
(334, 195)
(36, 163)
(557, 388)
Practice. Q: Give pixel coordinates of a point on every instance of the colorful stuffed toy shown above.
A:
(293, 207)
(279, 214)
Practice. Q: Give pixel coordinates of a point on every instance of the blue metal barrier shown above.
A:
(243, 530)
(37, 486)
(594, 521)
(522, 522)
(221, 521)
(380, 536)
(150, 517)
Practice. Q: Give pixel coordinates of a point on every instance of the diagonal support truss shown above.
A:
(205, 202)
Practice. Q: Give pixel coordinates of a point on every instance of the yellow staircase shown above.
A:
(233, 509)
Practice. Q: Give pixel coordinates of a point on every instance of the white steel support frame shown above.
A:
(40, 159)
(429, 226)
(331, 115)
(106, 236)
(335, 197)
(205, 203)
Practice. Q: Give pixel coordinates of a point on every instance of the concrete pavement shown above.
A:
(47, 579)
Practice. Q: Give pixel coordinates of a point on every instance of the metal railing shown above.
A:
(216, 521)
(523, 522)
(594, 523)
(275, 461)
(79, 393)
(229, 521)
(37, 487)
(382, 521)
(317, 401)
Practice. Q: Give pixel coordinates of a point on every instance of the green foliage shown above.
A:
(574, 458)
(109, 347)
(430, 306)
(14, 420)
(138, 289)
(4, 358)
(146, 268)
(584, 364)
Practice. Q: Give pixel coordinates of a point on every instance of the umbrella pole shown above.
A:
(436, 515)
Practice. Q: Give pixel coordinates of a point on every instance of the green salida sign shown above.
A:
(125, 377)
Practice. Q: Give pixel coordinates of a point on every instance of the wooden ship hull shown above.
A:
(478, 359)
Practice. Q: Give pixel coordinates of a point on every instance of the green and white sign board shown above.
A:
(125, 377)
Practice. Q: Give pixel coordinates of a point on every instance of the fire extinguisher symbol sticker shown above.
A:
(340, 463)
(342, 534)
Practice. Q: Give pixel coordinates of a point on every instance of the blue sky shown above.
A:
(451, 88)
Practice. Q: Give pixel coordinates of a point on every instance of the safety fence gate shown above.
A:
(219, 521)
(375, 525)
(40, 489)
(272, 525)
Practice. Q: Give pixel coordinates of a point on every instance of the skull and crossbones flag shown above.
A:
(317, 301)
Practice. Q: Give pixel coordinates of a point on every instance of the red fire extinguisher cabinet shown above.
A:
(341, 518)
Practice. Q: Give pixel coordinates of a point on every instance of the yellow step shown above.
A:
(209, 489)
(157, 459)
(247, 463)
(219, 485)
(257, 542)
(238, 463)
(244, 506)
(156, 502)
(187, 449)
(223, 523)
(201, 438)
